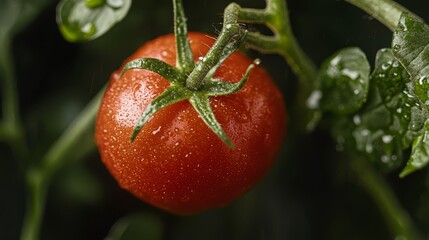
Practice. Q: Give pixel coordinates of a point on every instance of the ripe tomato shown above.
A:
(176, 162)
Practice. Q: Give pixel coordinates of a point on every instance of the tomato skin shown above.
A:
(176, 162)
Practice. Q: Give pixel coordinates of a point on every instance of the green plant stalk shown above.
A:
(36, 197)
(276, 17)
(11, 122)
(386, 11)
(396, 218)
(229, 30)
(69, 144)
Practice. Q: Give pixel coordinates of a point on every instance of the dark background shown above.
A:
(310, 193)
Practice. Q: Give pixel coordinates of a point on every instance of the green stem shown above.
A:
(185, 60)
(276, 17)
(396, 218)
(11, 124)
(230, 30)
(386, 11)
(70, 145)
(36, 197)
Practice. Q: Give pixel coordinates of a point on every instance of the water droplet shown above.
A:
(385, 66)
(387, 138)
(164, 53)
(353, 75)
(396, 48)
(157, 130)
(88, 29)
(313, 100)
(385, 158)
(356, 119)
(335, 60)
(395, 64)
(257, 61)
(421, 79)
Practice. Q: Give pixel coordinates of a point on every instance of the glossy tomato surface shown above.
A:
(176, 162)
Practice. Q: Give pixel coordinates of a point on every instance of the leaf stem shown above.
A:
(36, 197)
(396, 218)
(387, 12)
(230, 30)
(70, 145)
(276, 17)
(11, 123)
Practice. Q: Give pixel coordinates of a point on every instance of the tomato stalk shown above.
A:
(194, 82)
(229, 32)
(386, 11)
(275, 16)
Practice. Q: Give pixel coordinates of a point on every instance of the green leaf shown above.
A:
(167, 71)
(201, 103)
(344, 81)
(80, 21)
(420, 153)
(390, 119)
(185, 59)
(411, 46)
(137, 226)
(171, 95)
(214, 87)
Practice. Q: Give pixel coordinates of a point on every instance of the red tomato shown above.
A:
(176, 162)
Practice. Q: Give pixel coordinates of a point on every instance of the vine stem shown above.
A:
(396, 218)
(386, 11)
(71, 143)
(276, 17)
(10, 127)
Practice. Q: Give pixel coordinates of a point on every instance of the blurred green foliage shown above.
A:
(309, 194)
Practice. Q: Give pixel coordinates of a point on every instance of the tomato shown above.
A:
(176, 162)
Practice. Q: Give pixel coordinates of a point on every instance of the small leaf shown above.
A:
(167, 71)
(411, 47)
(344, 81)
(80, 22)
(420, 153)
(215, 87)
(201, 103)
(171, 95)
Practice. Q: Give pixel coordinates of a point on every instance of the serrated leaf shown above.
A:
(80, 22)
(344, 80)
(390, 119)
(420, 153)
(411, 47)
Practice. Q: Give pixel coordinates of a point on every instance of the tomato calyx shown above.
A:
(191, 81)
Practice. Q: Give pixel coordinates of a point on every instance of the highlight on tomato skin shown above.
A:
(176, 162)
